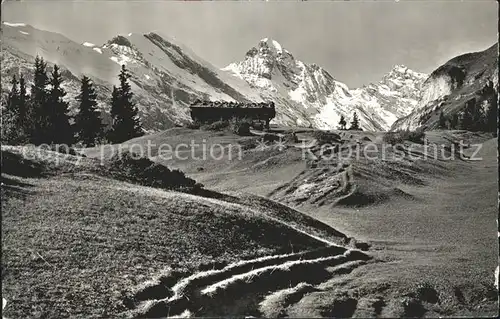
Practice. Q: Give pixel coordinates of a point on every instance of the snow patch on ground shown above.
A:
(496, 277)
(384, 89)
(298, 95)
(97, 50)
(10, 24)
(147, 77)
(233, 68)
(26, 33)
(121, 60)
(277, 46)
(88, 44)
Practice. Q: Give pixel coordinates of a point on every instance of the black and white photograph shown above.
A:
(249, 159)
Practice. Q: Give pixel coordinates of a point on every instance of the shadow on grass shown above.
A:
(15, 164)
(13, 188)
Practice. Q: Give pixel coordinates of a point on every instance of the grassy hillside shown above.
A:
(92, 240)
(429, 220)
(77, 243)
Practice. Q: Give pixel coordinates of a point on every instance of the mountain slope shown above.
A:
(451, 85)
(306, 94)
(165, 75)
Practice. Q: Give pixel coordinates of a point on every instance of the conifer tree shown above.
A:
(454, 121)
(40, 80)
(342, 122)
(492, 115)
(59, 129)
(9, 114)
(355, 122)
(24, 121)
(13, 97)
(478, 118)
(115, 106)
(88, 123)
(15, 121)
(38, 131)
(466, 118)
(442, 120)
(115, 103)
(126, 124)
(23, 107)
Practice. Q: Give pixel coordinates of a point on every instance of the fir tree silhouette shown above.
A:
(59, 129)
(11, 106)
(39, 97)
(466, 118)
(491, 116)
(442, 120)
(354, 122)
(454, 121)
(89, 127)
(23, 106)
(10, 114)
(126, 124)
(342, 122)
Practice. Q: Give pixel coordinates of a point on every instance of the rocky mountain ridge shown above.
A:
(464, 79)
(309, 95)
(167, 77)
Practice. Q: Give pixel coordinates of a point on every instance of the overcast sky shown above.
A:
(357, 42)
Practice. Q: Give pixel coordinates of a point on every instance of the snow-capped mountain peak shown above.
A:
(401, 75)
(270, 45)
(307, 94)
(164, 71)
(165, 76)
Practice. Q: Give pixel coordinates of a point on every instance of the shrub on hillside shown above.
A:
(121, 40)
(15, 164)
(290, 138)
(415, 136)
(194, 125)
(399, 137)
(258, 126)
(216, 126)
(248, 143)
(393, 138)
(237, 126)
(240, 126)
(65, 149)
(142, 170)
(270, 138)
(325, 137)
(9, 129)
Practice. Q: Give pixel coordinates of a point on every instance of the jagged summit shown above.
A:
(307, 94)
(163, 69)
(120, 40)
(268, 48)
(403, 72)
(165, 76)
(271, 44)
